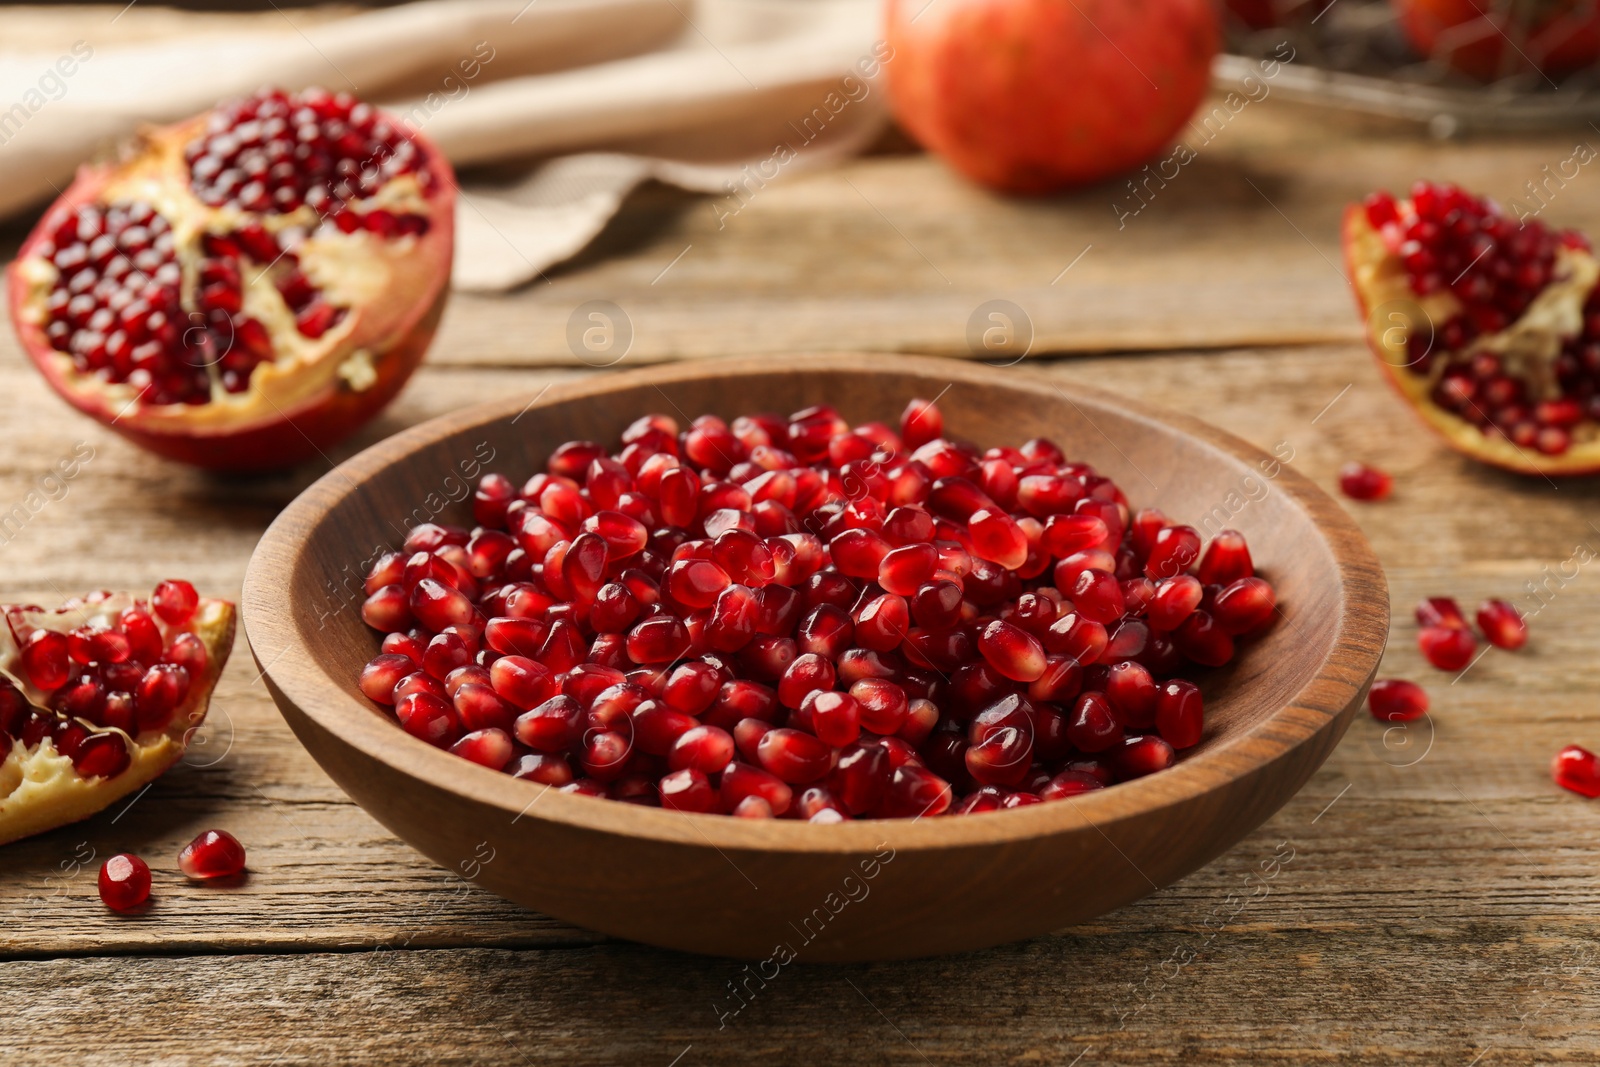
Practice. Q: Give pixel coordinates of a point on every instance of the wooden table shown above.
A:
(1435, 900)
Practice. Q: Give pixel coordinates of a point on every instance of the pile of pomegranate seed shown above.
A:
(1361, 482)
(276, 151)
(793, 617)
(1448, 642)
(1577, 769)
(104, 682)
(1494, 266)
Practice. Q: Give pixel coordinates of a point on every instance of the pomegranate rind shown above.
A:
(39, 787)
(1388, 306)
(316, 391)
(1488, 41)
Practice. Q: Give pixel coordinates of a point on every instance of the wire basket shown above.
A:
(1354, 55)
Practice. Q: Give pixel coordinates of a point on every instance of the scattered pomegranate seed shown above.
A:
(1441, 611)
(797, 618)
(1502, 625)
(1361, 482)
(214, 854)
(124, 882)
(1448, 648)
(1577, 769)
(1395, 700)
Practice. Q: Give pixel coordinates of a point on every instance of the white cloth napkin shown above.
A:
(581, 99)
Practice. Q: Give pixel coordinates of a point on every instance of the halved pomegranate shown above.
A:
(99, 697)
(1488, 327)
(246, 287)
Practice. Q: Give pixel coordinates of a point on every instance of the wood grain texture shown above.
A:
(1441, 904)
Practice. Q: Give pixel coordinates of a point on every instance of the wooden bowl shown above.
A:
(864, 890)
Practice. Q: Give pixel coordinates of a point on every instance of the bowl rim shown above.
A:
(282, 651)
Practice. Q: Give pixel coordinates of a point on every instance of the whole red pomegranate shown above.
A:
(1265, 14)
(247, 287)
(1030, 96)
(1489, 39)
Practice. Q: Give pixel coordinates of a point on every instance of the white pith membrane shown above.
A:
(1527, 348)
(39, 787)
(379, 281)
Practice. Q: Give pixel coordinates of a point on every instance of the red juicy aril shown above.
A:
(99, 697)
(1488, 327)
(801, 618)
(245, 287)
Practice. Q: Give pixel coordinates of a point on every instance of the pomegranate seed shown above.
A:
(1447, 647)
(175, 601)
(807, 673)
(164, 686)
(124, 882)
(920, 423)
(1097, 596)
(1175, 550)
(836, 718)
(740, 782)
(1226, 560)
(1244, 606)
(1070, 784)
(44, 659)
(913, 792)
(488, 748)
(1013, 652)
(688, 790)
(1131, 690)
(708, 749)
(660, 639)
(1502, 624)
(1577, 769)
(1077, 637)
(1174, 600)
(1393, 700)
(1138, 756)
(428, 718)
(1361, 482)
(1180, 713)
(1440, 611)
(552, 726)
(795, 757)
(1203, 640)
(1093, 727)
(997, 538)
(858, 553)
(214, 854)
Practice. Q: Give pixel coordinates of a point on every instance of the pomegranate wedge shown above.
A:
(246, 287)
(99, 697)
(1488, 327)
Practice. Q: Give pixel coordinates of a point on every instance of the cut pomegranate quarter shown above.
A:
(797, 618)
(98, 698)
(1488, 327)
(244, 288)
